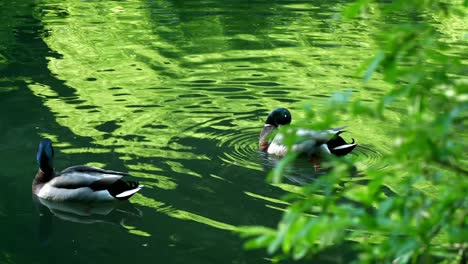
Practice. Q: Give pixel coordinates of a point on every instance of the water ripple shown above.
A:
(369, 156)
(243, 148)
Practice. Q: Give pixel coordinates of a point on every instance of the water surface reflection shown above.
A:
(175, 92)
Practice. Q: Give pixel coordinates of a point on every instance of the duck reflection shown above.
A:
(301, 171)
(82, 213)
(87, 213)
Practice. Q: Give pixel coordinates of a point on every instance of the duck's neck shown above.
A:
(40, 179)
(263, 142)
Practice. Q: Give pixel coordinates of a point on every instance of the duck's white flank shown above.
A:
(50, 192)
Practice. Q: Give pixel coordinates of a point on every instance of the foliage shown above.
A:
(422, 218)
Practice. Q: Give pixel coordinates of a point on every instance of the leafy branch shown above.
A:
(406, 223)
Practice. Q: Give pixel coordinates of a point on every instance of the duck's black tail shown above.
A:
(338, 146)
(123, 190)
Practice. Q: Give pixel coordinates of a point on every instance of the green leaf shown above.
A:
(373, 65)
(259, 242)
(276, 174)
(354, 9)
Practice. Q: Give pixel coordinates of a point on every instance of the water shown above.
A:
(174, 92)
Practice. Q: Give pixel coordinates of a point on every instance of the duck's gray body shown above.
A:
(82, 183)
(78, 183)
(313, 143)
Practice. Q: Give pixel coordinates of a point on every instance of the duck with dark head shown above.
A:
(317, 144)
(277, 118)
(78, 183)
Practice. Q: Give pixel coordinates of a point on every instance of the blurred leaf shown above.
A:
(355, 9)
(373, 65)
(261, 241)
(288, 218)
(276, 174)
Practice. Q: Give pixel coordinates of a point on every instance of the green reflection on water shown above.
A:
(179, 214)
(134, 231)
(143, 79)
(269, 199)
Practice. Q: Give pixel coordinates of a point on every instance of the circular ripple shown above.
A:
(234, 136)
(368, 156)
(241, 148)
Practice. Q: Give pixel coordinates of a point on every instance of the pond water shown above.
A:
(174, 92)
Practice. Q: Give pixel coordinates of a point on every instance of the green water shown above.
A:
(174, 92)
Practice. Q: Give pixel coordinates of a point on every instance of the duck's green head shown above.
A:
(279, 116)
(45, 156)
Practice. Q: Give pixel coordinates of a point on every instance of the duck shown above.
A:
(78, 183)
(315, 144)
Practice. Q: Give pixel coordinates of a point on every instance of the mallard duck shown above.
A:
(317, 144)
(78, 183)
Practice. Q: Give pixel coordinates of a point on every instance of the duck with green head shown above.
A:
(78, 183)
(316, 144)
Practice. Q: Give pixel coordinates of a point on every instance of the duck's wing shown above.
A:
(86, 176)
(76, 181)
(307, 142)
(97, 180)
(337, 130)
(92, 170)
(319, 137)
